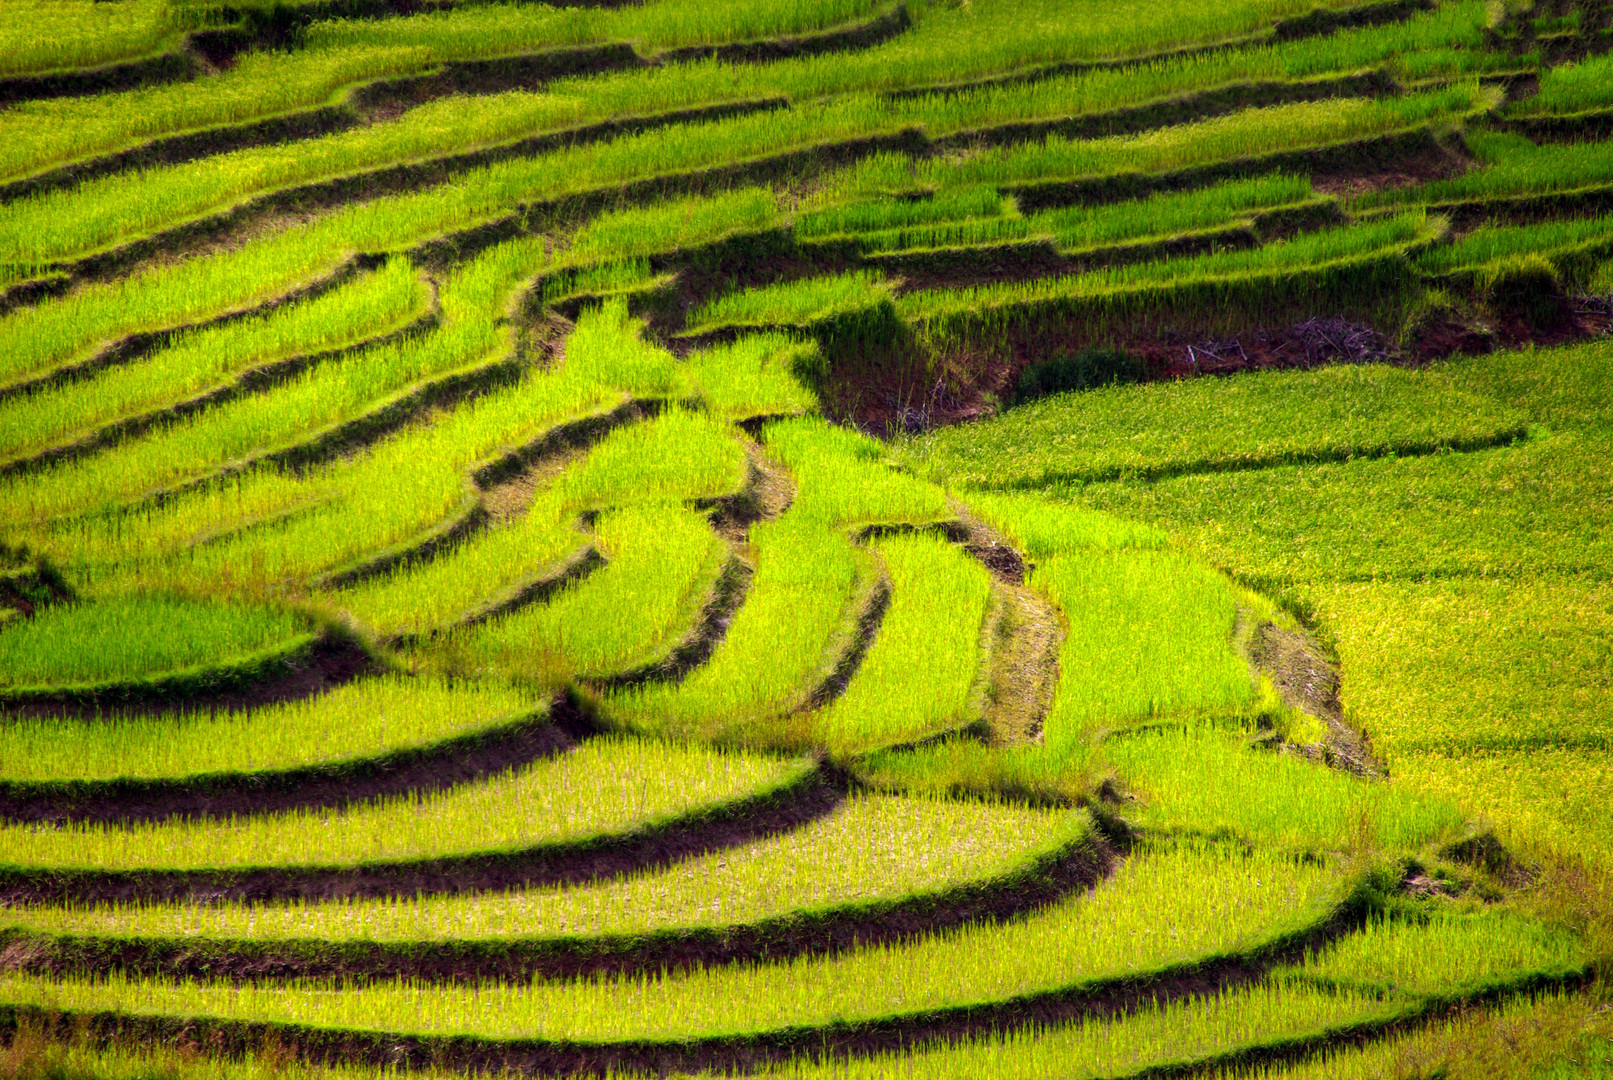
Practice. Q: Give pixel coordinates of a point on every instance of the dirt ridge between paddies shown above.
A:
(507, 742)
(1100, 998)
(810, 792)
(252, 380)
(1043, 878)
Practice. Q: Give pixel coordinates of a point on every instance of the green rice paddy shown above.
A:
(805, 538)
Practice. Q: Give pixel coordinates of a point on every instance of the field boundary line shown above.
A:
(810, 793)
(511, 740)
(1044, 877)
(252, 380)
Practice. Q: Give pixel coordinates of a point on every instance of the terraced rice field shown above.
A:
(840, 538)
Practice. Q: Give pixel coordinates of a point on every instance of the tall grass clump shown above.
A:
(606, 785)
(363, 718)
(130, 637)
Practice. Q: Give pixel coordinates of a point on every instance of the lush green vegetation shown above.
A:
(872, 848)
(605, 786)
(999, 501)
(120, 638)
(1214, 903)
(365, 718)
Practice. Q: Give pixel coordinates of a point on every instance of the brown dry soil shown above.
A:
(1308, 680)
(1024, 666)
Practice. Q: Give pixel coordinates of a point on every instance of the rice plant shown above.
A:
(1204, 780)
(755, 375)
(1513, 166)
(674, 225)
(784, 635)
(1168, 214)
(1201, 426)
(59, 332)
(918, 675)
(1042, 528)
(196, 361)
(1445, 951)
(604, 786)
(130, 637)
(882, 215)
(1160, 1034)
(1150, 635)
(874, 847)
(41, 35)
(364, 718)
(1578, 86)
(680, 456)
(1494, 244)
(662, 563)
(794, 303)
(1162, 908)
